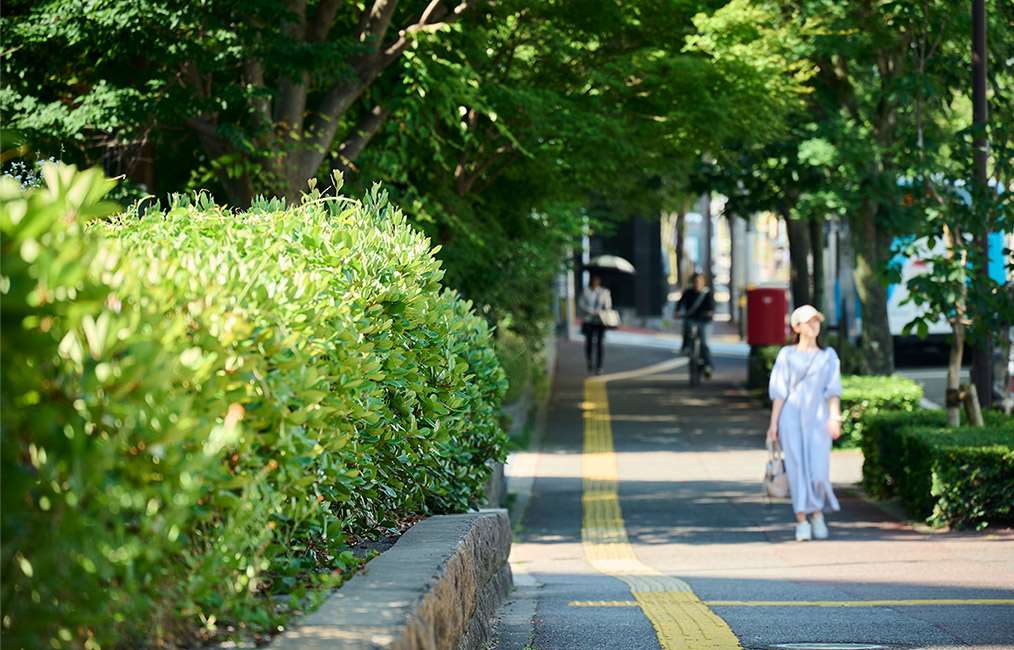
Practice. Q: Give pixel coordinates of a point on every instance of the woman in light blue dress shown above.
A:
(805, 391)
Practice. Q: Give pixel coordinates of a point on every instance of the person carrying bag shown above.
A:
(805, 392)
(596, 304)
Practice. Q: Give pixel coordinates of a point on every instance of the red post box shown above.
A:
(766, 312)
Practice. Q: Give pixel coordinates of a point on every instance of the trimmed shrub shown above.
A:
(206, 405)
(882, 463)
(973, 476)
(955, 477)
(865, 396)
(98, 489)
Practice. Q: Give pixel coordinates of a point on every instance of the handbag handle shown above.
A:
(774, 448)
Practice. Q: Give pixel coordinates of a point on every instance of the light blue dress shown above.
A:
(811, 378)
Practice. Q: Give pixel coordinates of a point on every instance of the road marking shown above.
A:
(808, 603)
(681, 620)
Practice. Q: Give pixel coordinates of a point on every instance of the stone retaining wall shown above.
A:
(436, 589)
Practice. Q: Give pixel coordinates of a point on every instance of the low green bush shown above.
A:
(203, 406)
(955, 477)
(973, 476)
(882, 464)
(865, 396)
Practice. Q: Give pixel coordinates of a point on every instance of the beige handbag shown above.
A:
(776, 481)
(610, 318)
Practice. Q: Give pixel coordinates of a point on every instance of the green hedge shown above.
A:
(862, 397)
(949, 477)
(200, 407)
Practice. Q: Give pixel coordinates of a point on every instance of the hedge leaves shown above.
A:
(200, 406)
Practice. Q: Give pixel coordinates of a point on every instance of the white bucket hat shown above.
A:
(803, 314)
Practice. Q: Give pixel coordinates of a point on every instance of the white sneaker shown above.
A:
(803, 532)
(819, 527)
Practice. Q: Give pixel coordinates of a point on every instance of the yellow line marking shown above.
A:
(681, 620)
(808, 603)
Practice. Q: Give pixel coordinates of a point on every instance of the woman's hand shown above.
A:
(834, 427)
(773, 433)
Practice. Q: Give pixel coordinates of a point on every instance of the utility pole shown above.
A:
(982, 362)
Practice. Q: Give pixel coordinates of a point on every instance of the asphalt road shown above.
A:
(645, 528)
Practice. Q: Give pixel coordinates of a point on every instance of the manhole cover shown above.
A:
(832, 646)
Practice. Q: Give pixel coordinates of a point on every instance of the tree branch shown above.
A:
(340, 97)
(492, 177)
(296, 30)
(361, 135)
(375, 22)
(320, 26)
(429, 21)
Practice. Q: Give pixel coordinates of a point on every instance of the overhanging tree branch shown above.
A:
(340, 97)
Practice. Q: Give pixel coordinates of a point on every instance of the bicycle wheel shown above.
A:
(695, 362)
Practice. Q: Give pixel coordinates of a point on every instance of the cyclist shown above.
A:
(697, 304)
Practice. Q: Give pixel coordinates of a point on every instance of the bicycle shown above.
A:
(694, 350)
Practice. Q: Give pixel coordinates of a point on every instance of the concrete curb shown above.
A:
(436, 589)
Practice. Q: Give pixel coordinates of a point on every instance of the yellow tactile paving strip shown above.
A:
(680, 618)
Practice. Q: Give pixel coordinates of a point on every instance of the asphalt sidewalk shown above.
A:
(639, 523)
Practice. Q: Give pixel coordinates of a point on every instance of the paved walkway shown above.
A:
(644, 527)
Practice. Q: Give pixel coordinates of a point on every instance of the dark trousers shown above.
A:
(593, 335)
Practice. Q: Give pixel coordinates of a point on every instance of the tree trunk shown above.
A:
(680, 264)
(817, 249)
(302, 136)
(799, 249)
(951, 237)
(868, 242)
(954, 374)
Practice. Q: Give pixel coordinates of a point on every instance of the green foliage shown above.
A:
(494, 131)
(98, 487)
(760, 362)
(203, 405)
(973, 476)
(890, 104)
(863, 397)
(949, 477)
(958, 286)
(516, 360)
(881, 464)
